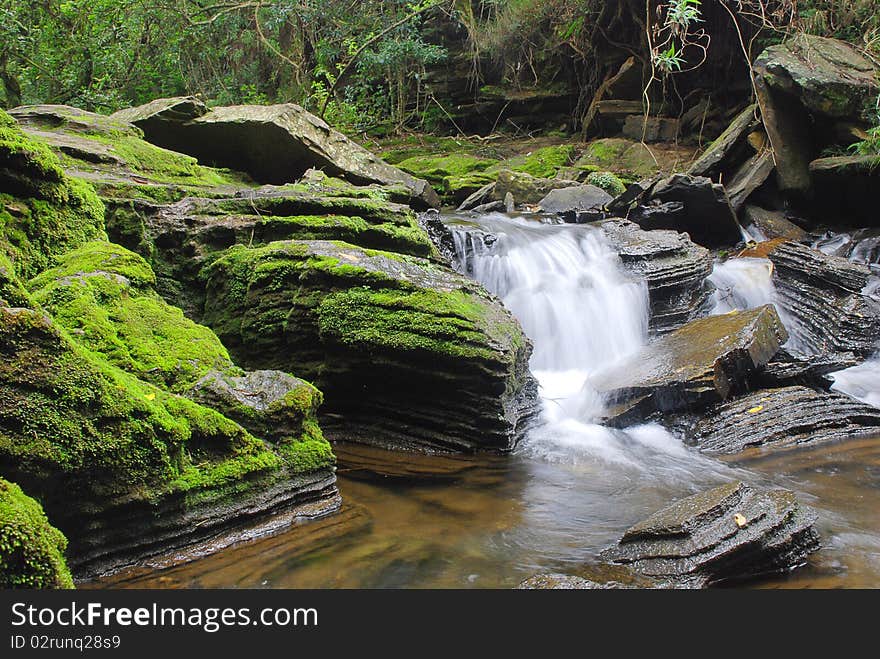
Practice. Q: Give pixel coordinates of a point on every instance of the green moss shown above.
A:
(607, 181)
(540, 163)
(43, 212)
(102, 294)
(308, 455)
(31, 549)
(441, 170)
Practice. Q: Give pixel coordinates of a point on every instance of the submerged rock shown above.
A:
(728, 534)
(408, 353)
(784, 418)
(700, 363)
(825, 294)
(674, 268)
(276, 144)
(692, 204)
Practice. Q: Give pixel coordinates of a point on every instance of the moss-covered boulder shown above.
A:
(127, 469)
(43, 211)
(633, 161)
(409, 354)
(31, 549)
(454, 176)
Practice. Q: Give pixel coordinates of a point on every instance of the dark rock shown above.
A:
(408, 353)
(784, 418)
(824, 294)
(700, 363)
(439, 234)
(490, 207)
(478, 198)
(525, 188)
(786, 369)
(278, 143)
(574, 199)
(846, 189)
(650, 129)
(771, 224)
(728, 534)
(674, 268)
(693, 204)
(729, 149)
(622, 203)
(749, 177)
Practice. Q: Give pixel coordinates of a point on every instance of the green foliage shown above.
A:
(540, 163)
(31, 549)
(870, 146)
(608, 181)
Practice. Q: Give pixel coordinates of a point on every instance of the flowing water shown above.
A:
(572, 487)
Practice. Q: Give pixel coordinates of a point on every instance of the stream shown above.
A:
(572, 487)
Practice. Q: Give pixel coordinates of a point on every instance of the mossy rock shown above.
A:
(446, 172)
(31, 549)
(43, 211)
(629, 160)
(408, 353)
(540, 163)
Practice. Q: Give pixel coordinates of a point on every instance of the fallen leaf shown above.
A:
(756, 409)
(740, 520)
(150, 396)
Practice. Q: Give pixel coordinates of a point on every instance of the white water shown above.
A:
(566, 287)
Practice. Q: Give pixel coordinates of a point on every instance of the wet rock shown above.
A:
(482, 196)
(703, 362)
(729, 149)
(692, 204)
(771, 224)
(751, 175)
(728, 534)
(490, 207)
(674, 268)
(574, 199)
(825, 295)
(566, 582)
(783, 418)
(278, 143)
(409, 354)
(525, 188)
(786, 369)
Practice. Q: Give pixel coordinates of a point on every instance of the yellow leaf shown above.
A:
(756, 409)
(150, 396)
(740, 520)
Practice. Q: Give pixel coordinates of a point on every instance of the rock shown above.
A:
(525, 188)
(771, 224)
(72, 120)
(408, 353)
(454, 176)
(846, 189)
(127, 470)
(786, 370)
(725, 535)
(749, 177)
(278, 143)
(828, 77)
(565, 582)
(696, 205)
(633, 160)
(703, 362)
(31, 549)
(824, 294)
(509, 204)
(783, 418)
(491, 207)
(674, 268)
(574, 199)
(730, 149)
(650, 129)
(482, 196)
(164, 119)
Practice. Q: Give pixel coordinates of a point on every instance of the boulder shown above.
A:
(702, 362)
(783, 418)
(482, 196)
(729, 534)
(815, 372)
(730, 149)
(650, 129)
(689, 203)
(278, 143)
(767, 225)
(750, 176)
(163, 120)
(674, 268)
(409, 354)
(846, 189)
(825, 297)
(574, 199)
(633, 160)
(525, 188)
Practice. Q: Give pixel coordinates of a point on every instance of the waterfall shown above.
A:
(565, 285)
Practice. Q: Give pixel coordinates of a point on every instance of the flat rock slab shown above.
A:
(574, 199)
(729, 148)
(701, 363)
(674, 267)
(730, 533)
(783, 418)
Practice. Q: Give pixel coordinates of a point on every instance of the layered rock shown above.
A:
(784, 418)
(408, 353)
(700, 363)
(825, 295)
(728, 534)
(31, 549)
(275, 144)
(674, 268)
